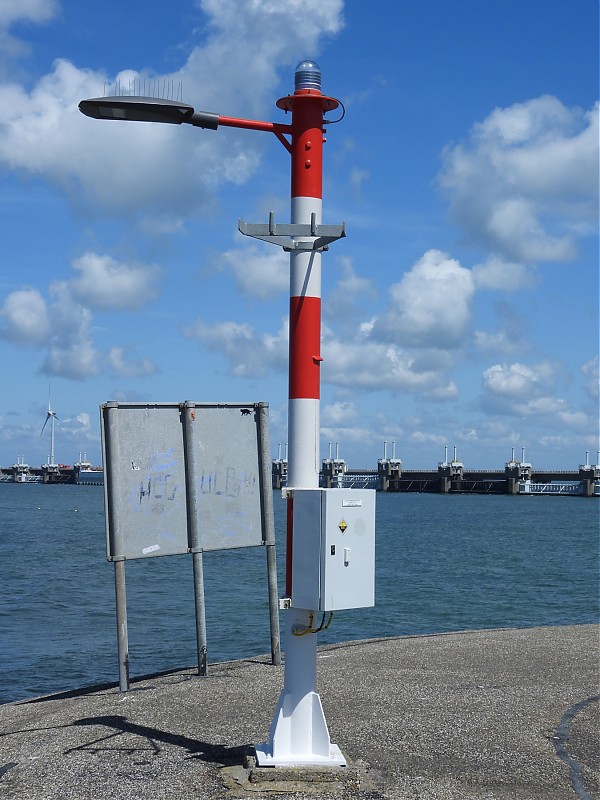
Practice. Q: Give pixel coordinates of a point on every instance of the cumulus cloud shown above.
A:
(105, 283)
(106, 164)
(370, 366)
(501, 342)
(25, 318)
(61, 323)
(26, 11)
(407, 349)
(591, 373)
(509, 336)
(259, 272)
(11, 11)
(357, 361)
(58, 324)
(498, 274)
(124, 364)
(346, 300)
(430, 306)
(76, 360)
(336, 414)
(518, 382)
(249, 353)
(525, 183)
(522, 390)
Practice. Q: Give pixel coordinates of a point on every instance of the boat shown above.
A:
(86, 474)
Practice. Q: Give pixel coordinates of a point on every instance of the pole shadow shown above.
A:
(120, 725)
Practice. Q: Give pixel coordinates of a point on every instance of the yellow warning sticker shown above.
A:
(343, 525)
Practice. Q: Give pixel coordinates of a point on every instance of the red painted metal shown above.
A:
(307, 107)
(305, 347)
(254, 125)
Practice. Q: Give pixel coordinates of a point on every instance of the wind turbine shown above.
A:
(50, 415)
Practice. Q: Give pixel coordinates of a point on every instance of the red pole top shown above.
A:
(307, 107)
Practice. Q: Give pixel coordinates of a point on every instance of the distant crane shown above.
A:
(50, 415)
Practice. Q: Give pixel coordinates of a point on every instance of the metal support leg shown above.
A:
(122, 638)
(200, 613)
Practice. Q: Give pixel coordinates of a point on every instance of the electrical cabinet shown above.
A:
(333, 552)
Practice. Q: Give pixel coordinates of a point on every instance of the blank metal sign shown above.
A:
(144, 485)
(224, 478)
(161, 458)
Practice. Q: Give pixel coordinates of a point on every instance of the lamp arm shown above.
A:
(257, 125)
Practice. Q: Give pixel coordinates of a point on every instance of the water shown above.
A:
(444, 563)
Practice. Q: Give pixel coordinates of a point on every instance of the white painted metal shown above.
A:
(299, 734)
(334, 549)
(303, 436)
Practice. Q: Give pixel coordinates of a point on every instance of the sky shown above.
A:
(461, 310)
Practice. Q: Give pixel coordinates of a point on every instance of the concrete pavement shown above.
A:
(481, 715)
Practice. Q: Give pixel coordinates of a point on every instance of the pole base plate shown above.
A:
(265, 758)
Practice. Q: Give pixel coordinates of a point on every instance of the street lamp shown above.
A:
(298, 734)
(147, 109)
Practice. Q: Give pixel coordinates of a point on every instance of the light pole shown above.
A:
(298, 734)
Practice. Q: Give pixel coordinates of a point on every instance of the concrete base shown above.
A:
(332, 782)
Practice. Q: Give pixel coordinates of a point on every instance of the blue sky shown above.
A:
(461, 309)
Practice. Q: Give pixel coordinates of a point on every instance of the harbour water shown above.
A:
(444, 563)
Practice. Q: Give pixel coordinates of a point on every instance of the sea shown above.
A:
(443, 563)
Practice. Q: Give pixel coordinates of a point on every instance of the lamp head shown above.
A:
(140, 109)
(307, 76)
(147, 109)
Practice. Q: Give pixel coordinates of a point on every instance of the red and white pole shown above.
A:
(299, 732)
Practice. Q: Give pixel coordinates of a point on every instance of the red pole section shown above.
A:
(305, 307)
(307, 107)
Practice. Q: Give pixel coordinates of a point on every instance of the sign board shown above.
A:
(182, 477)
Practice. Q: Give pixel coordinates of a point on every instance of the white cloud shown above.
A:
(500, 342)
(107, 284)
(518, 382)
(124, 365)
(430, 306)
(357, 178)
(61, 324)
(249, 353)
(423, 437)
(143, 169)
(526, 391)
(350, 363)
(515, 223)
(26, 10)
(259, 272)
(345, 301)
(11, 11)
(25, 317)
(525, 184)
(506, 276)
(366, 365)
(335, 414)
(591, 372)
(76, 360)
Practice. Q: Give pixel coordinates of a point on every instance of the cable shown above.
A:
(335, 121)
(303, 631)
(310, 629)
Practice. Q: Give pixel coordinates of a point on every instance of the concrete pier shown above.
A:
(483, 715)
